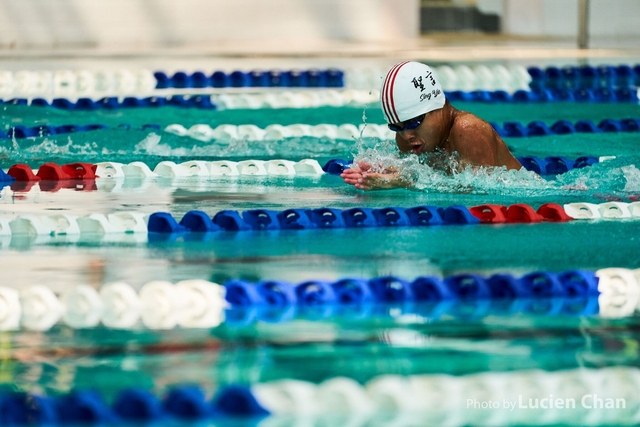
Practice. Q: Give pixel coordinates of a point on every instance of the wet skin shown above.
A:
(447, 130)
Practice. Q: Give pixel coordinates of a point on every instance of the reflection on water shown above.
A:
(313, 349)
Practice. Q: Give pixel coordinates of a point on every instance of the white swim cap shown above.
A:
(409, 90)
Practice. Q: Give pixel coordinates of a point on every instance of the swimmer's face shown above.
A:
(425, 137)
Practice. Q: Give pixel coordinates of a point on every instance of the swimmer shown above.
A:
(415, 107)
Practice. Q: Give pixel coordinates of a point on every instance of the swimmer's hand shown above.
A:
(363, 178)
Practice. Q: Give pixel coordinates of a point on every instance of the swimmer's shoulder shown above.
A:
(465, 123)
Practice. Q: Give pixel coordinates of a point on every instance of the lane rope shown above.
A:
(226, 133)
(610, 292)
(160, 226)
(582, 396)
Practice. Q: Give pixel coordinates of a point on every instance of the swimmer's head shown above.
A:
(410, 90)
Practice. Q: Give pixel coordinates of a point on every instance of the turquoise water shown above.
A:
(548, 112)
(310, 346)
(314, 351)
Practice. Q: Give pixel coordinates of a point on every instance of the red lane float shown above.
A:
(522, 213)
(490, 214)
(81, 170)
(22, 173)
(54, 172)
(553, 212)
(519, 213)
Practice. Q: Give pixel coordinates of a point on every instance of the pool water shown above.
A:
(459, 339)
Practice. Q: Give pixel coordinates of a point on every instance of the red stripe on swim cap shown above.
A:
(386, 92)
(391, 86)
(383, 94)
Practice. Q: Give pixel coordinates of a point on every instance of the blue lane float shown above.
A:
(336, 166)
(202, 102)
(88, 407)
(313, 78)
(294, 219)
(22, 132)
(5, 178)
(85, 407)
(543, 94)
(326, 218)
(425, 215)
(564, 127)
(304, 219)
(555, 165)
(459, 214)
(573, 292)
(585, 77)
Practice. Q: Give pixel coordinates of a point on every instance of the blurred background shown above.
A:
(304, 26)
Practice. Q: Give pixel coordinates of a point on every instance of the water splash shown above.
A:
(632, 176)
(148, 147)
(47, 148)
(152, 145)
(443, 173)
(617, 176)
(298, 147)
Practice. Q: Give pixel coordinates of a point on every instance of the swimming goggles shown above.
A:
(408, 125)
